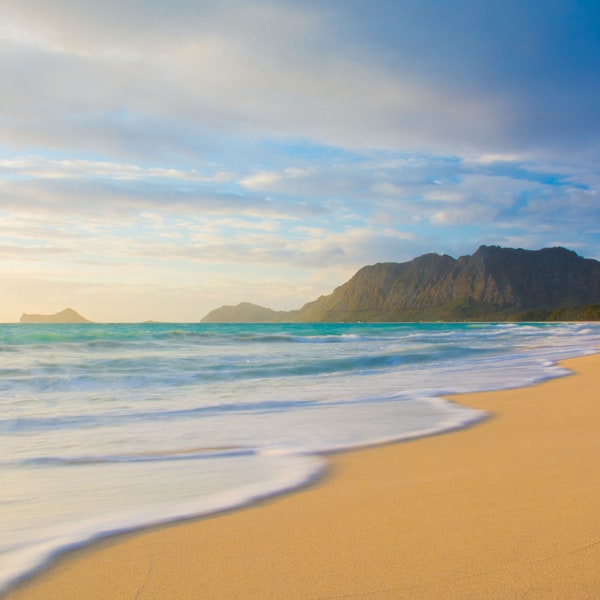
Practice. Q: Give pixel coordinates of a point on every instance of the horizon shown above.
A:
(158, 161)
(293, 309)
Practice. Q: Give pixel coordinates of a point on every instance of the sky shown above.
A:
(159, 159)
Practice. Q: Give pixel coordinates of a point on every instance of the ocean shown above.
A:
(106, 428)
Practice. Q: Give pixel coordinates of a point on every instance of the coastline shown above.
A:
(505, 508)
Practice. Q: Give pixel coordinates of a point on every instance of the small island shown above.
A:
(65, 316)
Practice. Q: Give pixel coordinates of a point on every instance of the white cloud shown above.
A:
(258, 68)
(260, 181)
(493, 158)
(39, 167)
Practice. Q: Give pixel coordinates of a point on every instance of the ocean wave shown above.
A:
(167, 456)
(162, 414)
(153, 371)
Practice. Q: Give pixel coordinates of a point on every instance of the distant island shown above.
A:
(493, 284)
(246, 312)
(65, 316)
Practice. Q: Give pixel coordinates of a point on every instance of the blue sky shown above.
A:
(160, 159)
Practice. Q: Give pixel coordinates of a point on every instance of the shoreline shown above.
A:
(503, 507)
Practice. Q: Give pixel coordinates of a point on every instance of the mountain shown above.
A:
(493, 284)
(245, 312)
(385, 292)
(66, 316)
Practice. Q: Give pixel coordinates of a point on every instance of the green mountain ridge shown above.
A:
(493, 284)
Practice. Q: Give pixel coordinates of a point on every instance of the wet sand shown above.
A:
(509, 508)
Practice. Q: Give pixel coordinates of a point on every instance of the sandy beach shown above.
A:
(509, 508)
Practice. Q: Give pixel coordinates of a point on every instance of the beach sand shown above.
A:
(508, 508)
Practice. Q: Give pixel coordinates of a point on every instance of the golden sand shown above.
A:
(509, 508)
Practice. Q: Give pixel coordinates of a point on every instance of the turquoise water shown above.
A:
(107, 428)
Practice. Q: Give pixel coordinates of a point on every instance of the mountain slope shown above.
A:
(492, 284)
(380, 292)
(245, 312)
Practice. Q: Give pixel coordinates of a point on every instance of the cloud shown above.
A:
(108, 78)
(33, 185)
(260, 181)
(303, 215)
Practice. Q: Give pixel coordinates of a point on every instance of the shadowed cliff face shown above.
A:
(493, 284)
(383, 289)
(548, 278)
